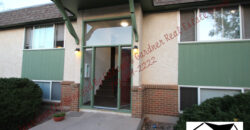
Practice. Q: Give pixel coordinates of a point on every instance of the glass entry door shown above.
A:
(106, 63)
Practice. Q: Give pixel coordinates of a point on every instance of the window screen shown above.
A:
(187, 28)
(59, 35)
(188, 97)
(246, 21)
(56, 91)
(211, 93)
(28, 38)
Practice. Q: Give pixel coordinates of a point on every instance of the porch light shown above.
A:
(135, 50)
(233, 11)
(77, 50)
(124, 23)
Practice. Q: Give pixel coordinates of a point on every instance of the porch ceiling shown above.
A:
(147, 5)
(75, 5)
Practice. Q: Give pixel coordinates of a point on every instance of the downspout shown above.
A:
(67, 20)
(132, 12)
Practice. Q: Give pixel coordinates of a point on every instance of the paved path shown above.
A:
(91, 121)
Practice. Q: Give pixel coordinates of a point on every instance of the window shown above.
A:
(112, 32)
(190, 96)
(219, 24)
(214, 24)
(211, 93)
(44, 37)
(51, 90)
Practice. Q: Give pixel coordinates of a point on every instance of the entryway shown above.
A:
(106, 64)
(109, 70)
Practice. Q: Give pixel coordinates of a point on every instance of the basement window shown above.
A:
(51, 90)
(190, 95)
(44, 37)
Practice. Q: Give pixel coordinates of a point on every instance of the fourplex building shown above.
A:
(148, 58)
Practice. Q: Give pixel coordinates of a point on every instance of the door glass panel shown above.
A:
(105, 79)
(125, 83)
(113, 32)
(86, 92)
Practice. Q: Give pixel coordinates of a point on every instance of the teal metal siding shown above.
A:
(215, 64)
(43, 64)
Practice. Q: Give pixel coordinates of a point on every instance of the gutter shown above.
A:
(68, 23)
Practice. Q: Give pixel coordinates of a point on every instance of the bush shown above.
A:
(227, 108)
(20, 101)
(61, 114)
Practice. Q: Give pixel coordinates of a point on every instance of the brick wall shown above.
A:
(161, 100)
(137, 102)
(70, 95)
(155, 99)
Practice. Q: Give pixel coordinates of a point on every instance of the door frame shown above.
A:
(83, 47)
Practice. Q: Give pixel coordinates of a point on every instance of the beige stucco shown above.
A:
(165, 70)
(11, 45)
(72, 61)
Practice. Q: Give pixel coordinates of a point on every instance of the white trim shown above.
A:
(241, 22)
(199, 95)
(179, 99)
(47, 80)
(213, 87)
(241, 89)
(179, 24)
(50, 92)
(215, 41)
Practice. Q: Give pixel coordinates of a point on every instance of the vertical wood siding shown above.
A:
(43, 64)
(215, 64)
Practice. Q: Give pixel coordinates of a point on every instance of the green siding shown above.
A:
(215, 64)
(43, 64)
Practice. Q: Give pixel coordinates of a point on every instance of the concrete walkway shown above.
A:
(91, 121)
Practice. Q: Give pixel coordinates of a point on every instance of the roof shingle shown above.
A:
(30, 15)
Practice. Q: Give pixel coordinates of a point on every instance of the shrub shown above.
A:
(61, 114)
(20, 101)
(226, 108)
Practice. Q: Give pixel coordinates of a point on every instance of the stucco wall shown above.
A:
(165, 70)
(11, 46)
(72, 61)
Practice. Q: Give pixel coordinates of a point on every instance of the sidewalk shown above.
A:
(91, 121)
